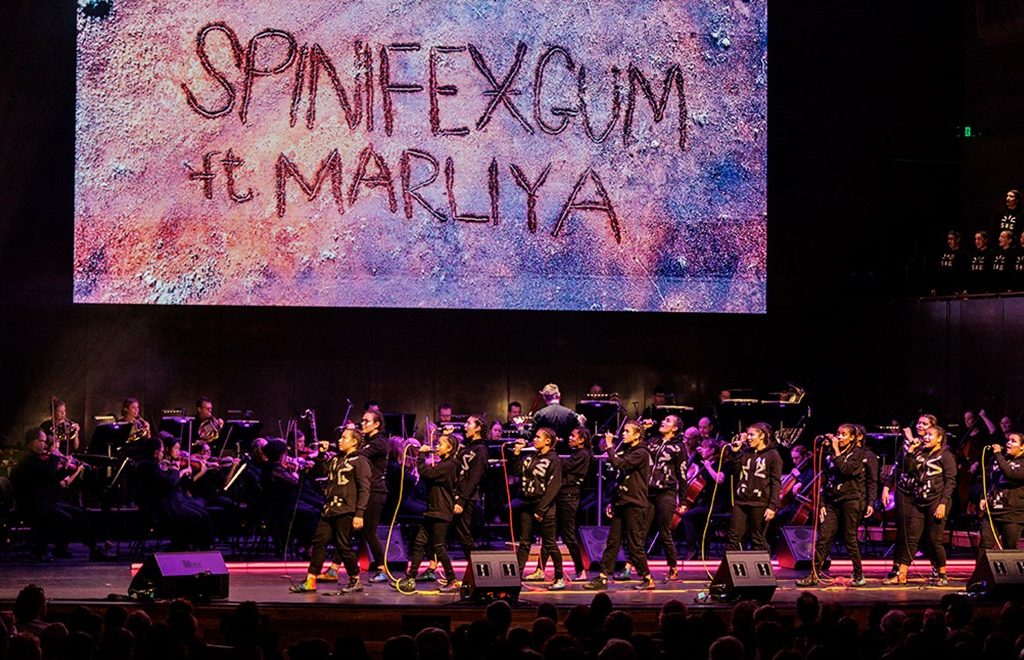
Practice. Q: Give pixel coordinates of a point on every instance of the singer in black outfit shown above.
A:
(541, 474)
(932, 468)
(575, 469)
(472, 463)
(842, 504)
(628, 510)
(1002, 507)
(757, 474)
(439, 476)
(346, 494)
(668, 480)
(375, 449)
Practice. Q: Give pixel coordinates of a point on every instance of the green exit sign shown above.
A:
(967, 132)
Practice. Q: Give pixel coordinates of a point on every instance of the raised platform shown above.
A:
(380, 611)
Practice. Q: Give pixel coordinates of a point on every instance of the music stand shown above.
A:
(109, 438)
(238, 433)
(180, 427)
(601, 414)
(403, 424)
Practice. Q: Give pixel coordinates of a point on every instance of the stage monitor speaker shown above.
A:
(744, 575)
(999, 574)
(492, 576)
(795, 547)
(397, 554)
(197, 576)
(592, 542)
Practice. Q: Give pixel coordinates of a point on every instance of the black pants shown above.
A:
(919, 522)
(748, 518)
(548, 527)
(660, 508)
(371, 519)
(567, 506)
(1008, 531)
(339, 530)
(841, 517)
(431, 536)
(628, 521)
(60, 525)
(463, 528)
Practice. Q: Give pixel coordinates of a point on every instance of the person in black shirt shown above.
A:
(695, 514)
(1010, 218)
(1002, 507)
(375, 449)
(1018, 266)
(952, 266)
(575, 469)
(668, 480)
(541, 474)
(440, 476)
(981, 264)
(37, 489)
(554, 415)
(628, 509)
(160, 494)
(871, 475)
(1002, 263)
(932, 469)
(842, 504)
(472, 463)
(757, 474)
(346, 494)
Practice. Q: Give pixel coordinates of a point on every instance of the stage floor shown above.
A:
(267, 583)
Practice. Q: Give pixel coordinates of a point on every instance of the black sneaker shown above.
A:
(646, 584)
(354, 585)
(600, 583)
(809, 581)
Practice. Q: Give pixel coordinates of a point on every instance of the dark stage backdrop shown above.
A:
(842, 150)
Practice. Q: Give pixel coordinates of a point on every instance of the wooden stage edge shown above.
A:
(380, 611)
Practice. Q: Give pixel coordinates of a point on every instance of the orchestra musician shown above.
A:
(287, 509)
(64, 431)
(757, 470)
(130, 415)
(931, 467)
(703, 471)
(160, 495)
(439, 475)
(37, 483)
(665, 490)
(795, 482)
(842, 505)
(554, 415)
(1002, 507)
(375, 449)
(346, 495)
(575, 469)
(541, 474)
(210, 475)
(208, 426)
(628, 507)
(900, 484)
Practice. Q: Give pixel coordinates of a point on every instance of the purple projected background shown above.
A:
(513, 155)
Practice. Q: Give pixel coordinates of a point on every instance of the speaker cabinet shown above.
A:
(999, 574)
(492, 576)
(197, 576)
(398, 555)
(592, 542)
(743, 576)
(795, 547)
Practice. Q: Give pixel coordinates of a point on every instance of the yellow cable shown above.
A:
(984, 497)
(711, 509)
(391, 527)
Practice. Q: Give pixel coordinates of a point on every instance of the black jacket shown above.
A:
(844, 476)
(34, 480)
(634, 466)
(669, 470)
(870, 477)
(542, 479)
(557, 417)
(375, 449)
(1006, 488)
(934, 476)
(472, 462)
(347, 487)
(757, 477)
(575, 469)
(440, 483)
